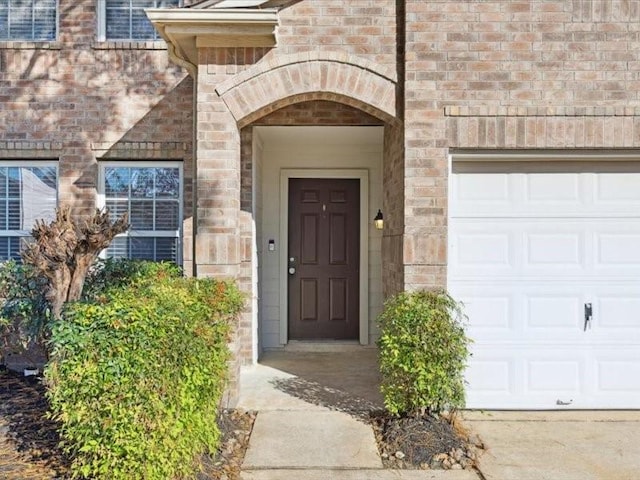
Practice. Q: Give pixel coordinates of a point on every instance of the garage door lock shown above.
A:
(588, 315)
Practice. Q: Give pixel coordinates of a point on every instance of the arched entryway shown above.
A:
(316, 126)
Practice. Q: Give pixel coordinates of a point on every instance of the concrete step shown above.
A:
(310, 439)
(335, 474)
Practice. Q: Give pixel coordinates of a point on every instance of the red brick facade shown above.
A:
(439, 75)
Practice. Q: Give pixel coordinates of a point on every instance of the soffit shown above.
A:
(187, 29)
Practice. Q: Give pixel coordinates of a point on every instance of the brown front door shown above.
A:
(324, 258)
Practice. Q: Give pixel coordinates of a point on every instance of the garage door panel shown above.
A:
(528, 251)
(484, 250)
(618, 250)
(554, 250)
(510, 247)
(616, 316)
(618, 376)
(552, 312)
(490, 312)
(521, 376)
(531, 194)
(561, 377)
(488, 189)
(491, 376)
(613, 189)
(511, 311)
(616, 373)
(552, 189)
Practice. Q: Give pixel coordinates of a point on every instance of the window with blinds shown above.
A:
(126, 20)
(28, 192)
(28, 20)
(152, 197)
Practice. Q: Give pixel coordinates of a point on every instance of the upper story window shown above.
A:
(126, 20)
(28, 192)
(28, 20)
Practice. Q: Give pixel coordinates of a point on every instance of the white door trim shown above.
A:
(363, 176)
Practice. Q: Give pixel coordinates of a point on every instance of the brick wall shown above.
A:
(318, 112)
(366, 28)
(77, 100)
(532, 74)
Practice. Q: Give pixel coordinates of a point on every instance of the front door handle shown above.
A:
(588, 315)
(292, 270)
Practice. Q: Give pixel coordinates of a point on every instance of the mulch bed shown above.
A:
(236, 427)
(425, 442)
(29, 441)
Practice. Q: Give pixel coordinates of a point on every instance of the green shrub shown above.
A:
(136, 376)
(114, 273)
(423, 353)
(24, 310)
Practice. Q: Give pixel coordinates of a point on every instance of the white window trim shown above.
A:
(57, 27)
(101, 200)
(101, 26)
(27, 164)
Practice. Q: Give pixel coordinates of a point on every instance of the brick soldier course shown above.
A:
(439, 76)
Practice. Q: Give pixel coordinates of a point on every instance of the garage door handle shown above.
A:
(588, 315)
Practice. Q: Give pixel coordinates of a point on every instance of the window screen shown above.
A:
(152, 198)
(28, 20)
(126, 20)
(27, 194)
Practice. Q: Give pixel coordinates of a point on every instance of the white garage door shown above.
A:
(531, 252)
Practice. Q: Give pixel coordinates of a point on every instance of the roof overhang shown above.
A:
(186, 30)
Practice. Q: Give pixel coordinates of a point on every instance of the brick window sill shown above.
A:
(26, 45)
(129, 45)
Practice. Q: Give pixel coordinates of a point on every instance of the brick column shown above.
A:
(217, 246)
(218, 226)
(425, 209)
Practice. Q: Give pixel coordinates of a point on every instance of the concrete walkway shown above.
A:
(311, 425)
(578, 445)
(311, 419)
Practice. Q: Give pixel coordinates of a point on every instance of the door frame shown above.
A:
(359, 174)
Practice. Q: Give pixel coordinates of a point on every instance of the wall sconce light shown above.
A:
(378, 220)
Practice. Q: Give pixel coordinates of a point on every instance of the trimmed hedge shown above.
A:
(423, 353)
(136, 375)
(115, 273)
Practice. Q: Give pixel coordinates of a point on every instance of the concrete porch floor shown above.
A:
(344, 378)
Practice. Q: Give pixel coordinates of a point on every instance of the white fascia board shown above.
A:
(238, 3)
(212, 16)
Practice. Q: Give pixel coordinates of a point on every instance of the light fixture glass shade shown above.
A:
(378, 220)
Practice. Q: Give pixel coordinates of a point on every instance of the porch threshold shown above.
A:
(320, 346)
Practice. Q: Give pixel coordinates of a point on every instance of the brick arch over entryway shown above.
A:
(288, 79)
